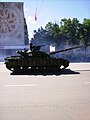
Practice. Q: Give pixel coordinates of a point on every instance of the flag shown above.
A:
(35, 17)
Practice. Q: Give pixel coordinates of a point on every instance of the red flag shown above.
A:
(35, 17)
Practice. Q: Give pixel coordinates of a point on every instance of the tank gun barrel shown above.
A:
(68, 49)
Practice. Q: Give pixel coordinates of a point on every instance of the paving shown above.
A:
(64, 96)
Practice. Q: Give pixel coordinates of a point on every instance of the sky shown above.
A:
(52, 11)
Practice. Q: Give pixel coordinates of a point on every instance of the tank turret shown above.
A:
(34, 59)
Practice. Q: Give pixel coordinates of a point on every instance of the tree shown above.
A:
(86, 31)
(70, 30)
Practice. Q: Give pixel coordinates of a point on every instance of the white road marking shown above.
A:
(22, 85)
(87, 82)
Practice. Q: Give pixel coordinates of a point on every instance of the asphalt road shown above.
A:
(62, 96)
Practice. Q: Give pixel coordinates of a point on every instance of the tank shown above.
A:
(35, 59)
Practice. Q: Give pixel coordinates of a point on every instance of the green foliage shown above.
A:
(70, 31)
(67, 32)
(86, 31)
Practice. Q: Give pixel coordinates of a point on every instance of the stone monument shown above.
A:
(13, 28)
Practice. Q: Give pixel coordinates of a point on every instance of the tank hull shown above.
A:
(36, 64)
